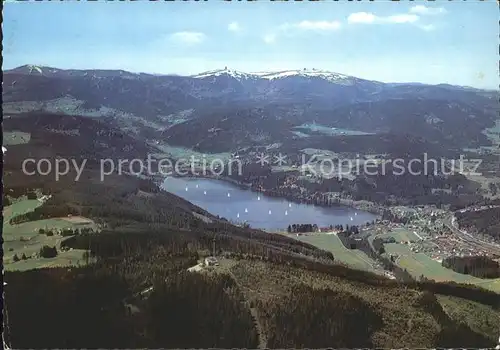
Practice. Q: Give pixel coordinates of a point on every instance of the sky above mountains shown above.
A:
(430, 42)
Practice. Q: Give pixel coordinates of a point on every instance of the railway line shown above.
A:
(488, 247)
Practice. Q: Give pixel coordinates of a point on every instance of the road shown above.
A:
(491, 248)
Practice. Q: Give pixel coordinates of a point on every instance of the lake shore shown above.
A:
(366, 206)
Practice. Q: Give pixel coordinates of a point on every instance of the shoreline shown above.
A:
(368, 207)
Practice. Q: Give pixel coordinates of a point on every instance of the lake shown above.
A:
(270, 213)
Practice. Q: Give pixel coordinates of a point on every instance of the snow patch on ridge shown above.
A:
(330, 76)
(316, 73)
(36, 68)
(229, 72)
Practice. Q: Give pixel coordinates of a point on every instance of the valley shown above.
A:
(217, 175)
(277, 151)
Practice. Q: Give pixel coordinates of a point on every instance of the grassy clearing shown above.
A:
(326, 130)
(64, 258)
(18, 208)
(78, 220)
(64, 105)
(186, 153)
(478, 317)
(400, 235)
(25, 238)
(493, 133)
(15, 137)
(30, 229)
(418, 264)
(21, 107)
(352, 257)
(493, 284)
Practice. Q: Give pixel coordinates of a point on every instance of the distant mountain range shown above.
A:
(252, 109)
(307, 73)
(239, 75)
(133, 295)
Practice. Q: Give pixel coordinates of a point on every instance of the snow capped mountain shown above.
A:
(30, 69)
(229, 72)
(330, 76)
(34, 68)
(309, 73)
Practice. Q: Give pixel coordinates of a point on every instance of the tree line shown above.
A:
(477, 266)
(304, 228)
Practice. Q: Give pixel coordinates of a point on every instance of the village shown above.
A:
(416, 239)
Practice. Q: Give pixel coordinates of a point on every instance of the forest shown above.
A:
(457, 191)
(191, 310)
(477, 266)
(485, 222)
(304, 228)
(149, 238)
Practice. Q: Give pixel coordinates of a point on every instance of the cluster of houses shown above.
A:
(211, 261)
(44, 198)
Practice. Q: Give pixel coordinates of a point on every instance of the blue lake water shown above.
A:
(241, 205)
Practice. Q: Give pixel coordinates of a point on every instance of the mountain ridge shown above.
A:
(328, 75)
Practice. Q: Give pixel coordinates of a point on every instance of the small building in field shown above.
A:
(211, 261)
(196, 268)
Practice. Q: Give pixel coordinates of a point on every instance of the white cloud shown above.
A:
(427, 27)
(269, 38)
(424, 10)
(361, 17)
(370, 18)
(189, 38)
(318, 25)
(234, 27)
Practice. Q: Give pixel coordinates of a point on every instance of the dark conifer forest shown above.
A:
(268, 291)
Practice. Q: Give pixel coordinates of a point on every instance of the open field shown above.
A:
(418, 264)
(30, 228)
(20, 207)
(352, 257)
(400, 235)
(493, 284)
(27, 245)
(480, 318)
(25, 238)
(63, 258)
(326, 130)
(78, 220)
(15, 137)
(167, 151)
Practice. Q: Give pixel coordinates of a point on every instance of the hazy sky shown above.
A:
(431, 42)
